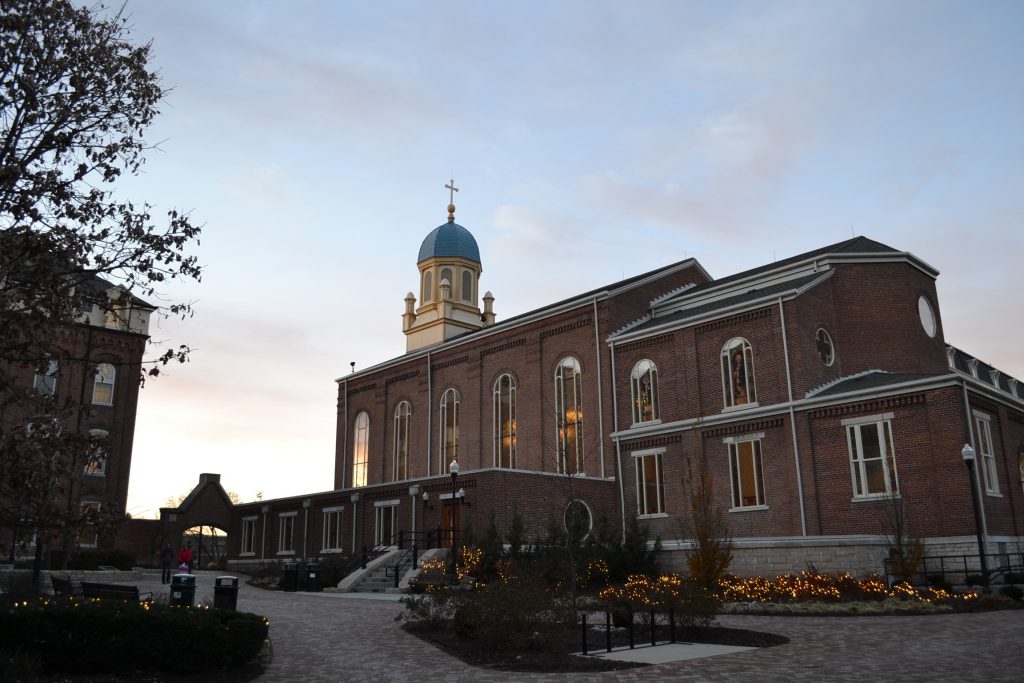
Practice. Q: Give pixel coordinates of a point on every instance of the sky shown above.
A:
(591, 141)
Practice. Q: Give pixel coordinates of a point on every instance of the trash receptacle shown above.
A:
(225, 592)
(290, 580)
(183, 589)
(313, 577)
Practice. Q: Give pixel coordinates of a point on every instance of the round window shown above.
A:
(578, 521)
(826, 351)
(924, 309)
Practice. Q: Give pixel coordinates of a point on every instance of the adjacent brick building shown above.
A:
(818, 393)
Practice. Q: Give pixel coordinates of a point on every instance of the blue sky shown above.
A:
(591, 141)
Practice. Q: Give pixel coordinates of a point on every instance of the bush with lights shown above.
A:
(93, 636)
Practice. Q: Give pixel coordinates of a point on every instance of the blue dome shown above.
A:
(450, 239)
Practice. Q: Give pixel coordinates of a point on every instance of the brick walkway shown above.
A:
(336, 637)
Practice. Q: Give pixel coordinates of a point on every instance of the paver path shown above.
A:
(332, 637)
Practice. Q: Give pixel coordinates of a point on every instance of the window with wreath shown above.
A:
(360, 449)
(872, 456)
(248, 536)
(569, 416)
(644, 383)
(505, 422)
(738, 373)
(987, 461)
(332, 528)
(96, 457)
(449, 422)
(650, 487)
(103, 385)
(400, 466)
(745, 472)
(286, 532)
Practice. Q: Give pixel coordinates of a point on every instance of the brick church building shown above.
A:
(817, 392)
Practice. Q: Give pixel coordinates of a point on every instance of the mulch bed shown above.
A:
(559, 652)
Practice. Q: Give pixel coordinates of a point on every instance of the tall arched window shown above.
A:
(103, 385)
(505, 422)
(400, 468)
(569, 415)
(467, 285)
(428, 287)
(644, 382)
(360, 449)
(738, 373)
(449, 430)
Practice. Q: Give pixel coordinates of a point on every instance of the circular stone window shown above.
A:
(924, 309)
(578, 521)
(823, 343)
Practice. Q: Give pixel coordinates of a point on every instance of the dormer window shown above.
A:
(972, 365)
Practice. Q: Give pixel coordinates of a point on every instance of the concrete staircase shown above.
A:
(377, 581)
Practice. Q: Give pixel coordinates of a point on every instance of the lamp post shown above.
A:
(970, 458)
(454, 469)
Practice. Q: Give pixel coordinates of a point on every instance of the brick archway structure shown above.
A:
(207, 504)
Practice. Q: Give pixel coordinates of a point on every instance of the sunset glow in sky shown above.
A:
(591, 141)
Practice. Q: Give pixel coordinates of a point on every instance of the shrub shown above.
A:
(514, 614)
(1015, 593)
(117, 637)
(1011, 577)
(974, 580)
(693, 604)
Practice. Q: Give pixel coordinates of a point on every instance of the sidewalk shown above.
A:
(348, 637)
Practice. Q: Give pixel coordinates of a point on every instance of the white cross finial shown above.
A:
(451, 186)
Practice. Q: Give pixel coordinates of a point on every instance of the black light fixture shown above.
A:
(970, 459)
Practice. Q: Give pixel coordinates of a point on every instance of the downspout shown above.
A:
(618, 451)
(344, 440)
(600, 385)
(430, 413)
(792, 421)
(977, 464)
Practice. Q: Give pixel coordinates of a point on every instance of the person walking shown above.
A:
(166, 557)
(185, 556)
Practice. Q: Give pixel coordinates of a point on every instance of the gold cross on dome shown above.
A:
(451, 186)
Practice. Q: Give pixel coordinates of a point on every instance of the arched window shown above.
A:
(96, 462)
(360, 449)
(644, 382)
(103, 385)
(428, 287)
(467, 286)
(738, 373)
(449, 430)
(505, 422)
(446, 274)
(400, 468)
(569, 415)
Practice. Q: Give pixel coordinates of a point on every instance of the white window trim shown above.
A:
(281, 516)
(758, 474)
(991, 487)
(340, 511)
(891, 477)
(386, 503)
(660, 477)
(254, 519)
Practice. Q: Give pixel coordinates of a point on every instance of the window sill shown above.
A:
(331, 551)
(876, 497)
(286, 552)
(247, 554)
(104, 405)
(749, 508)
(645, 423)
(653, 515)
(95, 475)
(993, 494)
(730, 409)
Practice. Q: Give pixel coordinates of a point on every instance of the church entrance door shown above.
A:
(451, 522)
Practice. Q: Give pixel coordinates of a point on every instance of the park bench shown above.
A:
(113, 591)
(63, 588)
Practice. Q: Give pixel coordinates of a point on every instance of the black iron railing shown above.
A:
(630, 626)
(961, 569)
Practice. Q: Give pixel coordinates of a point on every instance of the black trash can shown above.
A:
(313, 577)
(225, 592)
(290, 581)
(183, 590)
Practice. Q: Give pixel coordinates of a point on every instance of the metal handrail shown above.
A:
(961, 566)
